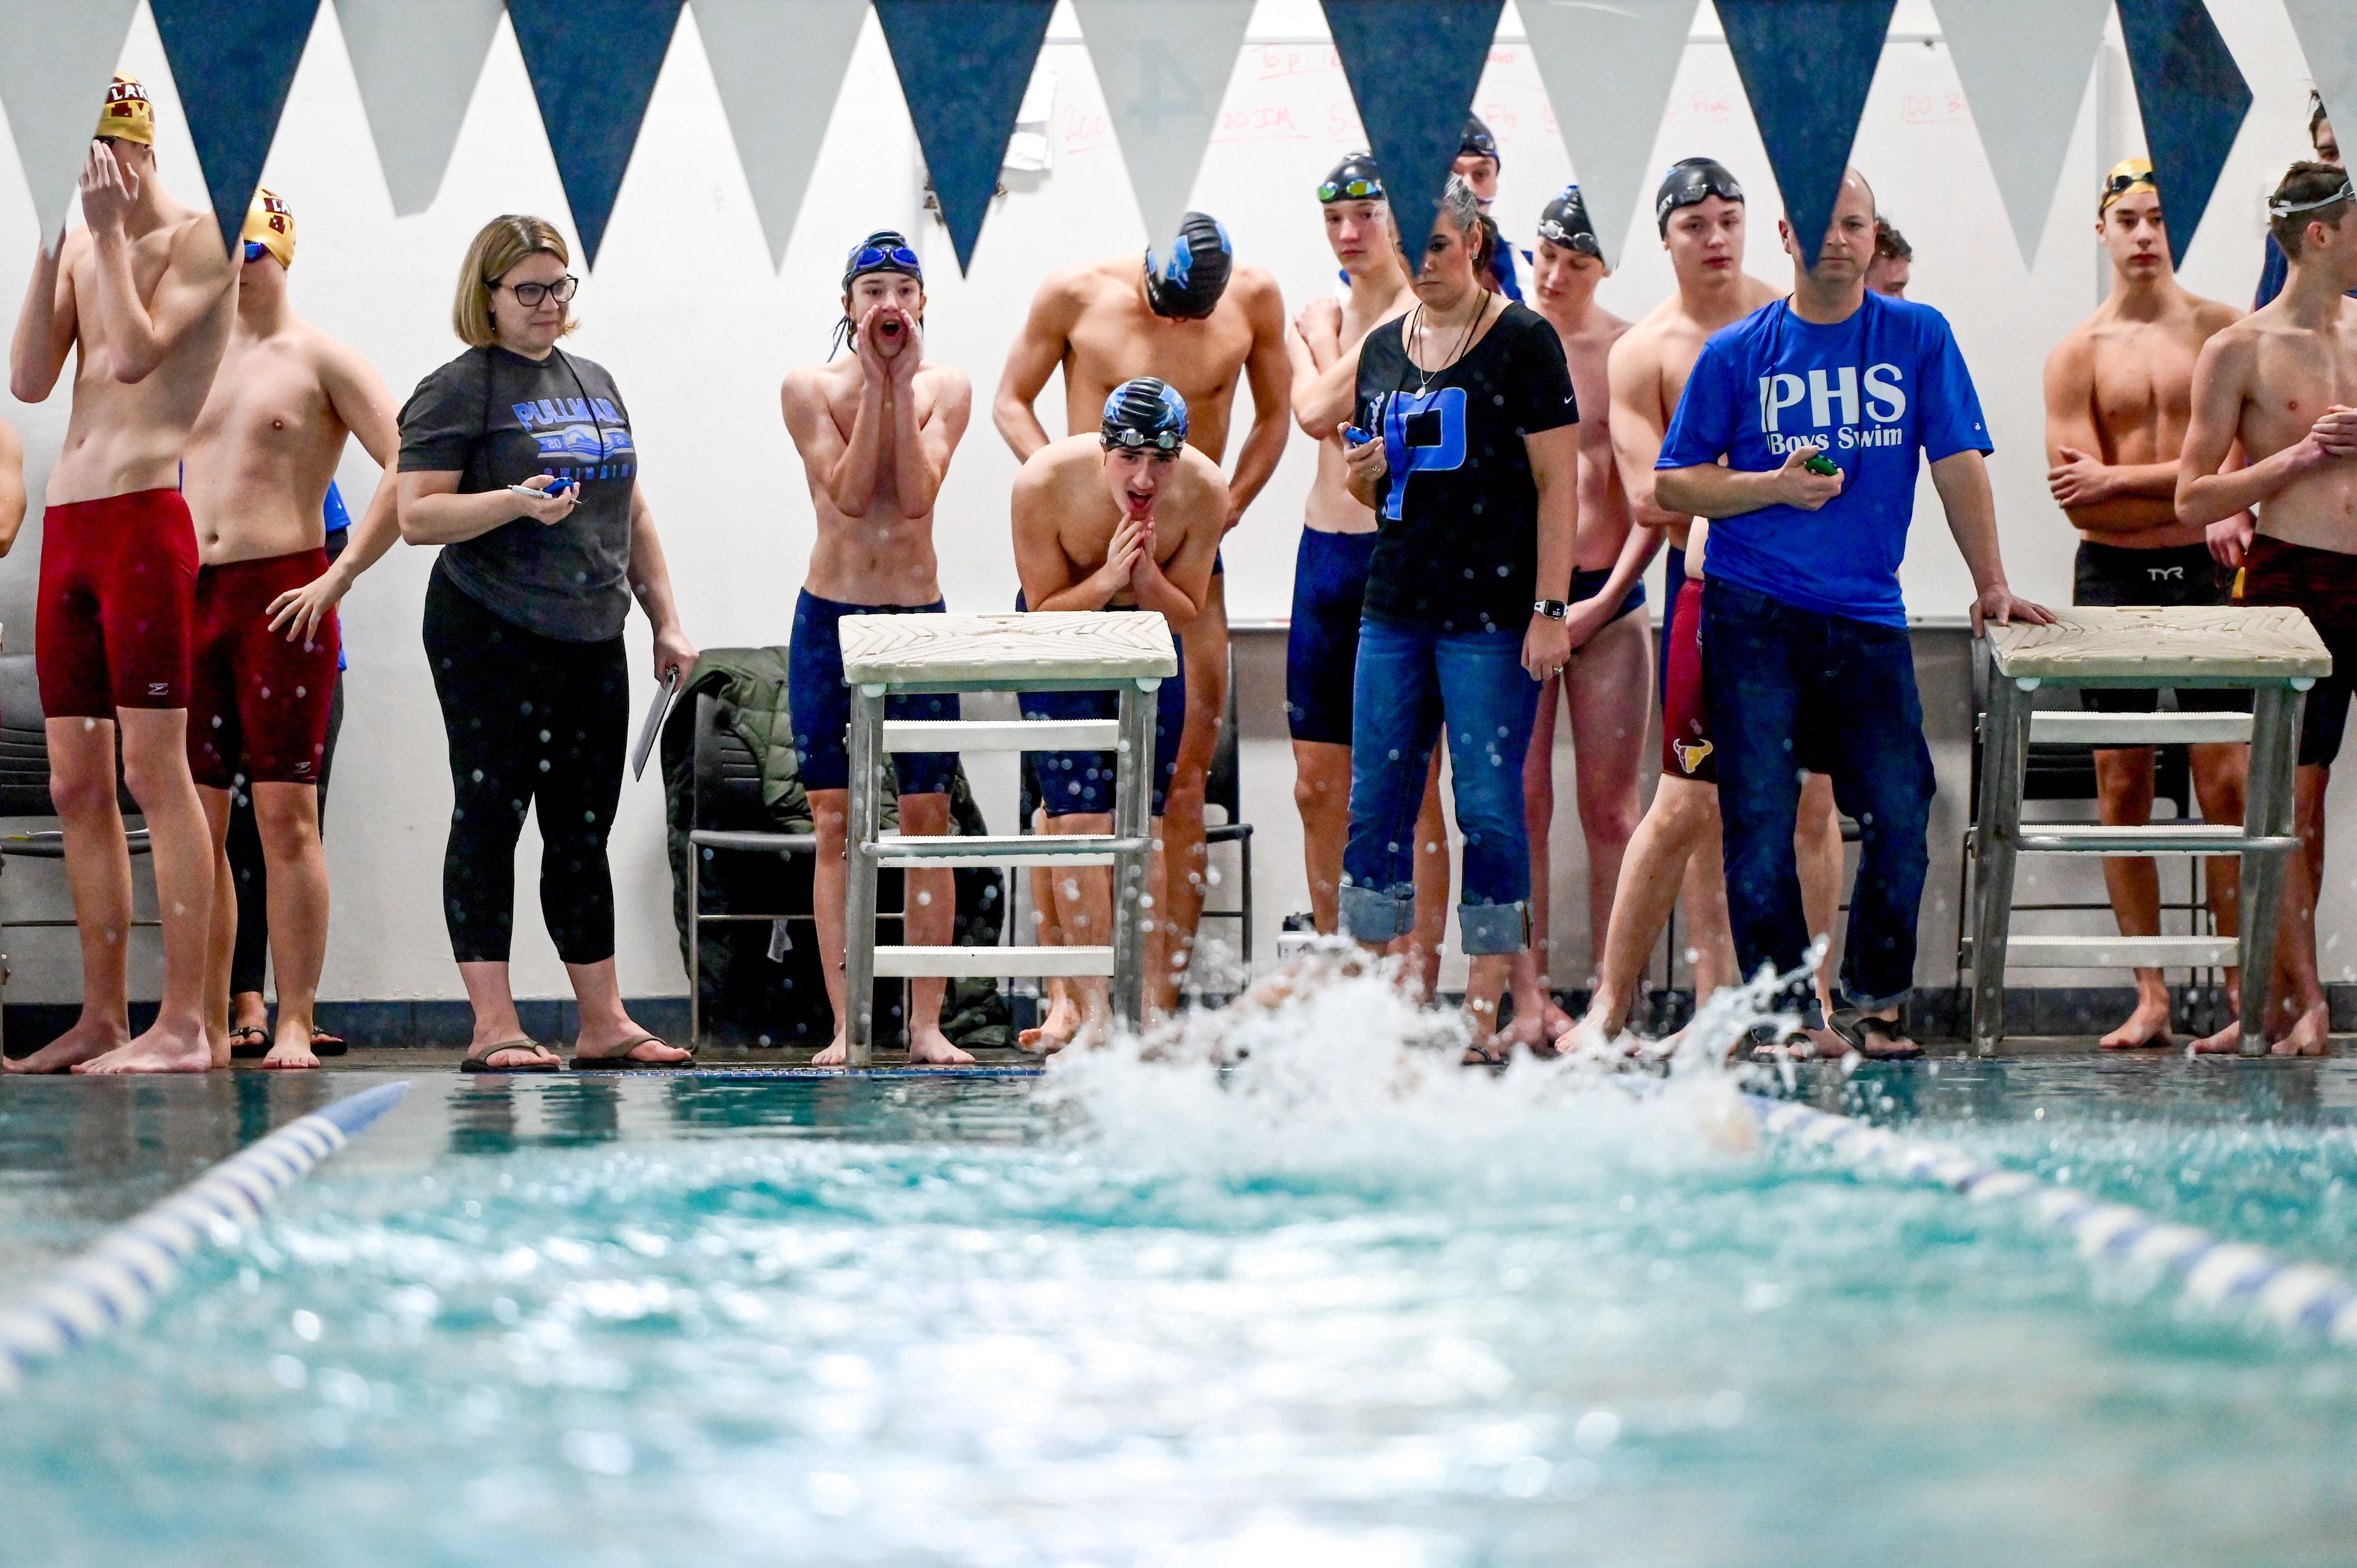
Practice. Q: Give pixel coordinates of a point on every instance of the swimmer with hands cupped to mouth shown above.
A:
(1128, 519)
(875, 433)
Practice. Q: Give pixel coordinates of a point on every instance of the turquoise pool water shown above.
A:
(1343, 1307)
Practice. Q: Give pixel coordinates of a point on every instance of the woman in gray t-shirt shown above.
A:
(517, 458)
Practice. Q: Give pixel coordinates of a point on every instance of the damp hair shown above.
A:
(1889, 244)
(2316, 114)
(498, 247)
(2305, 182)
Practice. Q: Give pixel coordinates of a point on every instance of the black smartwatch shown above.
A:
(1554, 609)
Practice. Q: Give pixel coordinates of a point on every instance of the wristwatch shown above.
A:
(1554, 609)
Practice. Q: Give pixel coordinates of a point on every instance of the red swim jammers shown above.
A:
(258, 704)
(118, 586)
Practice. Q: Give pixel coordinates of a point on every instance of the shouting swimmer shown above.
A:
(1330, 571)
(2119, 390)
(260, 460)
(2281, 382)
(143, 296)
(1674, 857)
(1127, 520)
(1197, 321)
(875, 433)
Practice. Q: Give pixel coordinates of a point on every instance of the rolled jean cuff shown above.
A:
(1372, 915)
(1490, 929)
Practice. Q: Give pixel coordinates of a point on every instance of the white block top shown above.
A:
(2256, 643)
(1111, 646)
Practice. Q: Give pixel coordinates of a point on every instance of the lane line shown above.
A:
(123, 1274)
(2211, 1272)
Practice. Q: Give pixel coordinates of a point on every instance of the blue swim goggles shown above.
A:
(885, 258)
(255, 249)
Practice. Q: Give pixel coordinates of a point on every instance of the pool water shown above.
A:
(1344, 1305)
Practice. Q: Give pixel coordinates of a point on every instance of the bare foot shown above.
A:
(931, 1048)
(1826, 1045)
(2309, 1035)
(2146, 1027)
(1059, 1029)
(157, 1051)
(2226, 1042)
(836, 1054)
(80, 1043)
(1558, 1022)
(292, 1052)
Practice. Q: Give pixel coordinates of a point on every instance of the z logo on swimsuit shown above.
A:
(159, 688)
(1691, 756)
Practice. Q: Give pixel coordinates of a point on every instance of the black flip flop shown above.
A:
(326, 1044)
(1483, 1052)
(1876, 1039)
(475, 1062)
(621, 1060)
(243, 1049)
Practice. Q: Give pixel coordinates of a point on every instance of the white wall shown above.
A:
(684, 309)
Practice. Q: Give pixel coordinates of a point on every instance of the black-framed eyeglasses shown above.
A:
(529, 295)
(1579, 240)
(1360, 189)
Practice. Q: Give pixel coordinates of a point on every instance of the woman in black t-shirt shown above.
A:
(517, 458)
(1467, 457)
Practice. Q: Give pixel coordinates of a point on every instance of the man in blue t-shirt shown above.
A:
(1804, 638)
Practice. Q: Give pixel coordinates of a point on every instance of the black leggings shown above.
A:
(530, 718)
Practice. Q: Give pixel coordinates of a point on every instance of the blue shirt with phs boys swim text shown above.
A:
(1870, 391)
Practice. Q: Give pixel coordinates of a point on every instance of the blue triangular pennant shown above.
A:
(233, 65)
(2193, 98)
(592, 65)
(964, 64)
(1413, 67)
(1807, 66)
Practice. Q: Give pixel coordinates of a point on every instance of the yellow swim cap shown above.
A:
(127, 115)
(2128, 175)
(268, 224)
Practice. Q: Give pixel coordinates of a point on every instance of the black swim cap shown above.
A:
(1355, 178)
(1188, 281)
(1564, 222)
(884, 251)
(1478, 142)
(1144, 411)
(1691, 180)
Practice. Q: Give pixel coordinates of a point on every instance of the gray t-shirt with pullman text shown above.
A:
(497, 419)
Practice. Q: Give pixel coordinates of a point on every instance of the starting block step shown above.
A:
(2122, 952)
(957, 963)
(2139, 729)
(1002, 734)
(2164, 838)
(1029, 849)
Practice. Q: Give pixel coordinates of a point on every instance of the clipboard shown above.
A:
(653, 725)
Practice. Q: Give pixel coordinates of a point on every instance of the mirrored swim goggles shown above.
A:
(255, 249)
(1130, 437)
(1359, 188)
(1563, 234)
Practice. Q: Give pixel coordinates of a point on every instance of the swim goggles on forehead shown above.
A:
(869, 258)
(1131, 437)
(1360, 188)
(1579, 240)
(2286, 209)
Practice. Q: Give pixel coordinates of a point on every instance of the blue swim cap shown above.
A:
(1187, 280)
(1144, 411)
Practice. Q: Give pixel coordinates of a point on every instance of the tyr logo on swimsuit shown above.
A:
(1834, 406)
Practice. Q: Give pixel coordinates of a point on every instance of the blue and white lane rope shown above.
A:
(114, 1283)
(2211, 1272)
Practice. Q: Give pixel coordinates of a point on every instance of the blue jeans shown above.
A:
(1410, 678)
(1776, 676)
